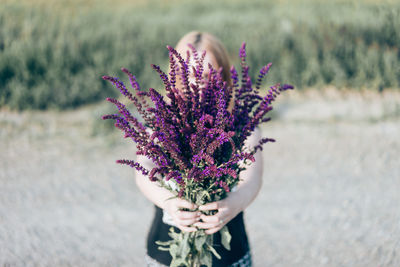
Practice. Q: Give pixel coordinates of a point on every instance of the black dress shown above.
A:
(239, 255)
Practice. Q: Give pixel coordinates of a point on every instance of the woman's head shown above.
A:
(216, 53)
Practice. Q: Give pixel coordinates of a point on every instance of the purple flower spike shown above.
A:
(287, 86)
(110, 116)
(133, 164)
(242, 51)
(264, 70)
(132, 79)
(193, 135)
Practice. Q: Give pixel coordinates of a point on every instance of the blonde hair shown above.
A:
(213, 47)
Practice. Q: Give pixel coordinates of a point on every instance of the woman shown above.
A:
(229, 210)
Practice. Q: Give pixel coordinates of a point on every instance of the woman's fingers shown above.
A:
(187, 224)
(186, 228)
(210, 206)
(182, 215)
(212, 230)
(205, 225)
(211, 219)
(213, 223)
(187, 221)
(208, 222)
(185, 218)
(181, 203)
(210, 227)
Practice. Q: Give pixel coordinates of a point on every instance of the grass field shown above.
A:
(53, 53)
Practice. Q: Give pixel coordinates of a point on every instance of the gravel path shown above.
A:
(330, 196)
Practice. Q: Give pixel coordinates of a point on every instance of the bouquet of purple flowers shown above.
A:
(195, 141)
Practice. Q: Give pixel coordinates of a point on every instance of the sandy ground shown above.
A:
(330, 196)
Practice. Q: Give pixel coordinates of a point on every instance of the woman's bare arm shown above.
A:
(251, 178)
(152, 191)
(163, 198)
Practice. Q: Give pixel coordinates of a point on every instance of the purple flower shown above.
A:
(133, 164)
(191, 136)
(242, 51)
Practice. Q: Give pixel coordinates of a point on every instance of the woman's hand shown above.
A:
(183, 219)
(227, 209)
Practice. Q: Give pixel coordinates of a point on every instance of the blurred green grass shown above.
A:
(53, 53)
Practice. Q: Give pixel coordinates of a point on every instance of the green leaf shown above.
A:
(206, 258)
(163, 249)
(184, 245)
(173, 234)
(164, 243)
(180, 237)
(174, 251)
(208, 196)
(210, 248)
(225, 237)
(178, 262)
(200, 197)
(199, 242)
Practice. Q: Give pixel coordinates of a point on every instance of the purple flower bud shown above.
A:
(242, 51)
(287, 86)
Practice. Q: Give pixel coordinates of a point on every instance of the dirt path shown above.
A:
(330, 195)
